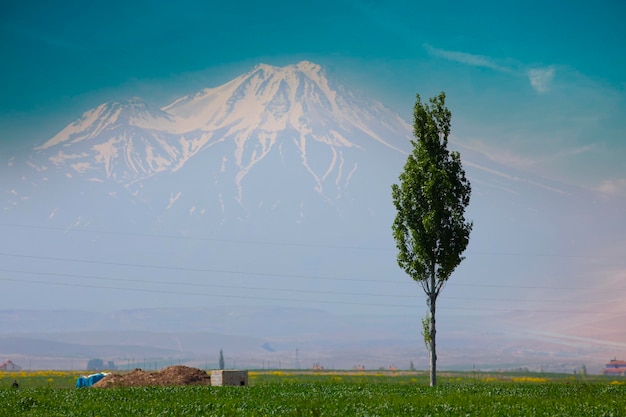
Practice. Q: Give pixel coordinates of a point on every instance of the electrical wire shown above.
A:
(290, 276)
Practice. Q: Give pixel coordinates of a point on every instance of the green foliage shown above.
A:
(426, 333)
(95, 364)
(430, 229)
(221, 359)
(332, 394)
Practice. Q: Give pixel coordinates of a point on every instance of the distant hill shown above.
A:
(274, 338)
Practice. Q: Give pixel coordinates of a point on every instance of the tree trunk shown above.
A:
(433, 350)
(433, 330)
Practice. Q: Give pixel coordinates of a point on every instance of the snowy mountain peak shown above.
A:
(298, 97)
(109, 116)
(308, 67)
(265, 120)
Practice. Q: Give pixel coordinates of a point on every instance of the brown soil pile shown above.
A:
(172, 375)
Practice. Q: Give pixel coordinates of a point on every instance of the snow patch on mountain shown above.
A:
(173, 199)
(131, 112)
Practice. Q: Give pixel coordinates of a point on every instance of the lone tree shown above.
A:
(221, 360)
(430, 228)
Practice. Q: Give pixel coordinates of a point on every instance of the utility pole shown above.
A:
(297, 359)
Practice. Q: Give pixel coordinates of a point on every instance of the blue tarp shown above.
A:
(89, 380)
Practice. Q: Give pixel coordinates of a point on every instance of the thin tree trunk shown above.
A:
(433, 331)
(433, 350)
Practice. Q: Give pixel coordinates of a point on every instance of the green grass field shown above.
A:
(285, 393)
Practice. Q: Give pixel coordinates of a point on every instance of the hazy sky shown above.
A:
(534, 84)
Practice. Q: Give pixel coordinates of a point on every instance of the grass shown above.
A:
(285, 393)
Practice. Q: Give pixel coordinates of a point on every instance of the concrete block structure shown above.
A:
(220, 378)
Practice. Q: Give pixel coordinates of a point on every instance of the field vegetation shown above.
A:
(331, 393)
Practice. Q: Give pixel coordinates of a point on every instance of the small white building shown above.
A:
(220, 378)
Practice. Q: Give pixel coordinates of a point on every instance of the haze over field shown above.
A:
(230, 165)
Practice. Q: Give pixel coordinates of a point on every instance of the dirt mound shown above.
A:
(172, 375)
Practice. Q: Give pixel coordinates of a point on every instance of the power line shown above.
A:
(317, 301)
(541, 255)
(293, 276)
(148, 290)
(186, 269)
(195, 238)
(292, 244)
(195, 284)
(532, 287)
(307, 291)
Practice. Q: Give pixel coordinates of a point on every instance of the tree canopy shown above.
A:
(430, 229)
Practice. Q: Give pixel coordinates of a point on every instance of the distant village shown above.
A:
(615, 367)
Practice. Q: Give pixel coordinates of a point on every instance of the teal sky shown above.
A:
(539, 85)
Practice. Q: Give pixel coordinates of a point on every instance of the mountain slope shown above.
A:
(287, 141)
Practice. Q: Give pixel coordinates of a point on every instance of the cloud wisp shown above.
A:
(613, 187)
(539, 78)
(468, 59)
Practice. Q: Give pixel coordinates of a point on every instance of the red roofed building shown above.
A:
(615, 367)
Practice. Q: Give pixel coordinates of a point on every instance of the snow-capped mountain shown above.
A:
(285, 141)
(265, 189)
(120, 140)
